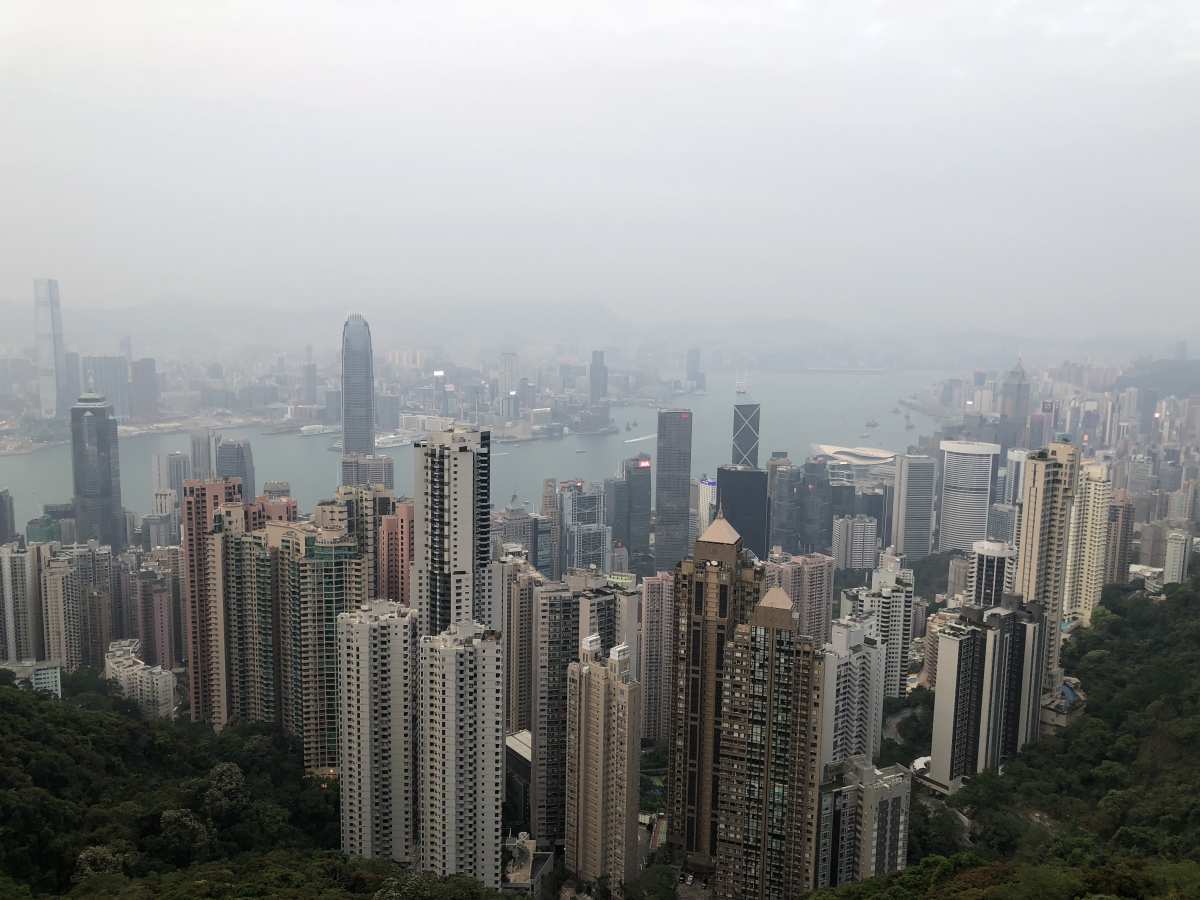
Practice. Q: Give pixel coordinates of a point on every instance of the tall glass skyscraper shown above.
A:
(358, 387)
(96, 467)
(51, 364)
(745, 435)
(672, 488)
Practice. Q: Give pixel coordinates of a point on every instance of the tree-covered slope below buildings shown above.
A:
(1124, 780)
(1108, 808)
(88, 787)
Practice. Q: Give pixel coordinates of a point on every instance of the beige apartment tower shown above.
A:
(1048, 492)
(321, 575)
(1087, 543)
(715, 591)
(203, 604)
(656, 647)
(603, 764)
(769, 766)
(807, 579)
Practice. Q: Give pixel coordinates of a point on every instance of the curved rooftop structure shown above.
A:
(855, 456)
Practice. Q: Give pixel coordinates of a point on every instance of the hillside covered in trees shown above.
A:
(95, 802)
(1108, 808)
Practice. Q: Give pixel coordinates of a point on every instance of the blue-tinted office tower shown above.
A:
(358, 387)
(96, 468)
(672, 489)
(235, 459)
(742, 499)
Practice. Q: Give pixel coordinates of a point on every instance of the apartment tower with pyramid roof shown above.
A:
(716, 590)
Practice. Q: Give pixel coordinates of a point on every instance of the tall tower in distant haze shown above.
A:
(673, 485)
(597, 377)
(358, 387)
(202, 455)
(51, 362)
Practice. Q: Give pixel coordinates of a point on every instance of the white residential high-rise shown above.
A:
(912, 505)
(151, 687)
(657, 646)
(1087, 543)
(22, 634)
(451, 528)
(378, 665)
(887, 605)
(855, 542)
(1179, 556)
(1015, 478)
(62, 613)
(852, 697)
(863, 822)
(989, 685)
(992, 568)
(1051, 476)
(968, 473)
(603, 764)
(460, 761)
(706, 503)
(514, 587)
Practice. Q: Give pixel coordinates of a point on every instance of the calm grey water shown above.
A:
(797, 410)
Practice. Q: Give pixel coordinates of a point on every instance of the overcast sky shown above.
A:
(972, 161)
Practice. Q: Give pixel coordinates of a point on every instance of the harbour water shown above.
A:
(798, 410)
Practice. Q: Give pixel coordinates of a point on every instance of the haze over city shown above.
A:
(937, 168)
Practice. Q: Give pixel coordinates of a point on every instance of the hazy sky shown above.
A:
(979, 161)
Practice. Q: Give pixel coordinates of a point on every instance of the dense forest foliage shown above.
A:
(88, 788)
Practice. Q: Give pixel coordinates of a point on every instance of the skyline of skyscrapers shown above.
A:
(262, 639)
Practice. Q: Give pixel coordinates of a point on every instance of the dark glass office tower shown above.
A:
(742, 499)
(627, 511)
(235, 459)
(813, 499)
(358, 387)
(96, 465)
(8, 521)
(745, 434)
(673, 482)
(597, 377)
